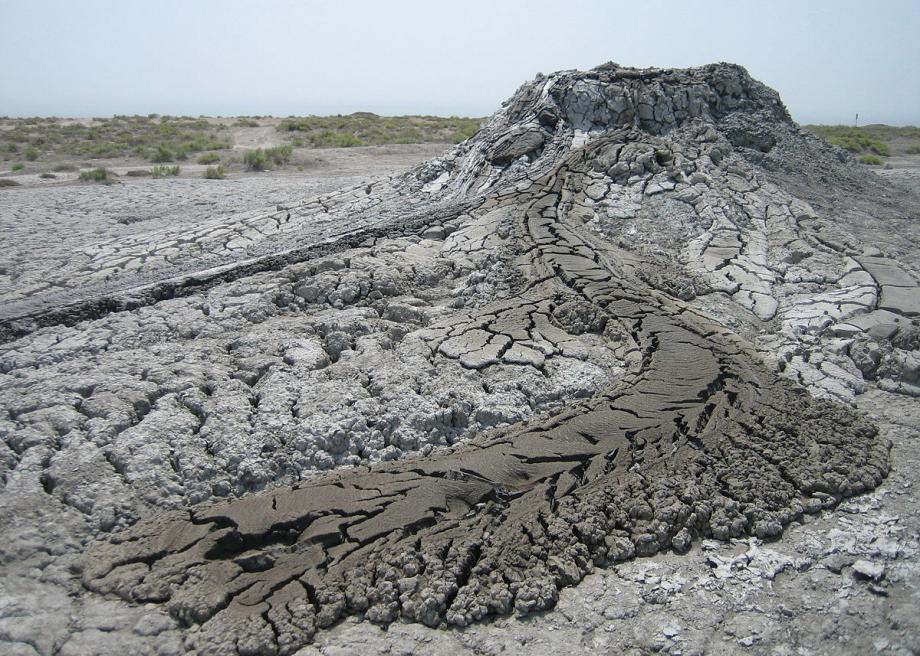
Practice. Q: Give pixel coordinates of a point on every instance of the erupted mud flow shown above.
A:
(599, 329)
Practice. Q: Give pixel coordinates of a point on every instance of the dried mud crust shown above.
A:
(601, 328)
(698, 440)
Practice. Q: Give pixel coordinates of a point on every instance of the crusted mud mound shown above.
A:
(599, 329)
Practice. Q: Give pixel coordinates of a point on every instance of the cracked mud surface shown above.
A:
(603, 328)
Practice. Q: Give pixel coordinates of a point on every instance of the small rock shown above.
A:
(836, 562)
(865, 569)
(434, 232)
(153, 624)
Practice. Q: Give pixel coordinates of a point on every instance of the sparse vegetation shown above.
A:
(8, 182)
(48, 176)
(150, 137)
(163, 154)
(218, 172)
(164, 171)
(333, 139)
(261, 158)
(874, 160)
(17, 167)
(367, 129)
(99, 174)
(64, 167)
(138, 173)
(855, 140)
(255, 160)
(169, 139)
(880, 140)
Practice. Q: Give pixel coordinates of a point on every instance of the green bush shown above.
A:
(209, 158)
(64, 167)
(163, 171)
(246, 123)
(99, 174)
(7, 182)
(255, 160)
(913, 149)
(280, 154)
(332, 139)
(261, 158)
(18, 167)
(218, 172)
(163, 154)
(31, 154)
(871, 159)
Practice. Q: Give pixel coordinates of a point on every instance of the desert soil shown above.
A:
(603, 379)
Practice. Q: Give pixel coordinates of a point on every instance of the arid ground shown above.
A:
(632, 369)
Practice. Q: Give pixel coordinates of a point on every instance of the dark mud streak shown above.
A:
(699, 439)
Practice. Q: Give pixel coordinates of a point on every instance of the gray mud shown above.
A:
(601, 329)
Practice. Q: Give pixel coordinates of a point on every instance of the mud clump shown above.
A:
(546, 232)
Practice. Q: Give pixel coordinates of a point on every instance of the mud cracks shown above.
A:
(698, 439)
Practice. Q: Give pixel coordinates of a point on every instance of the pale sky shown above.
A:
(828, 58)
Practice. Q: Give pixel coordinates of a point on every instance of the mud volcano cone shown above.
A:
(630, 195)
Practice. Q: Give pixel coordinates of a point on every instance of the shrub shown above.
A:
(163, 154)
(138, 173)
(280, 154)
(31, 154)
(209, 158)
(7, 182)
(64, 167)
(163, 171)
(99, 174)
(332, 139)
(246, 123)
(261, 158)
(913, 149)
(18, 167)
(48, 176)
(255, 160)
(218, 172)
(871, 159)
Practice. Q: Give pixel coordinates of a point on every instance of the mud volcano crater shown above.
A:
(618, 212)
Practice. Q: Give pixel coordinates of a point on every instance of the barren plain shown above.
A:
(633, 369)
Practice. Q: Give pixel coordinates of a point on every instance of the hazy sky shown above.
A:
(828, 59)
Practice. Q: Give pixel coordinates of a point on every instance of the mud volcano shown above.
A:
(595, 331)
